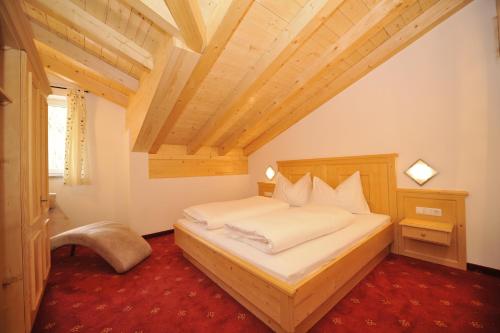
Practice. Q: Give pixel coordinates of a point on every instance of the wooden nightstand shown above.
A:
(427, 231)
(266, 189)
(439, 235)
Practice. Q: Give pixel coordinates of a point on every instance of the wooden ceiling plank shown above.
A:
(286, 10)
(354, 37)
(50, 39)
(35, 13)
(80, 20)
(220, 14)
(12, 12)
(158, 92)
(187, 15)
(425, 22)
(223, 33)
(97, 8)
(305, 23)
(56, 64)
(156, 12)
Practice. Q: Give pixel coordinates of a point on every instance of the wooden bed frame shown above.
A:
(297, 307)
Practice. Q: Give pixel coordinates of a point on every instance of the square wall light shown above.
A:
(270, 173)
(420, 172)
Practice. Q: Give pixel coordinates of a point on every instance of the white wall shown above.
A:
(106, 198)
(121, 190)
(439, 99)
(156, 204)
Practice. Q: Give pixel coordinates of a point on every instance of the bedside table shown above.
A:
(266, 189)
(427, 231)
(431, 226)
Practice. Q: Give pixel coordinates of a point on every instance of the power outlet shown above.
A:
(436, 212)
(429, 211)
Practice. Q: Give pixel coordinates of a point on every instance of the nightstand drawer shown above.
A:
(427, 235)
(266, 189)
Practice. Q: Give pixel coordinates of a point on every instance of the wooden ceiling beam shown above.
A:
(369, 25)
(221, 36)
(83, 22)
(158, 92)
(223, 8)
(423, 23)
(158, 13)
(305, 23)
(52, 40)
(187, 15)
(58, 64)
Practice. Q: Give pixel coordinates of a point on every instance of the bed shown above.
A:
(292, 302)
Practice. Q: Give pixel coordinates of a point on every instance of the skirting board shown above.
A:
(483, 269)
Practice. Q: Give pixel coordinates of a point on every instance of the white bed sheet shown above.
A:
(293, 264)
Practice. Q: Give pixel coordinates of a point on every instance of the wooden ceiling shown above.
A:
(210, 77)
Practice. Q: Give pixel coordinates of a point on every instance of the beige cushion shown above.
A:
(114, 242)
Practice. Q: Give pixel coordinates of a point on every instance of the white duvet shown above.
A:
(282, 229)
(215, 214)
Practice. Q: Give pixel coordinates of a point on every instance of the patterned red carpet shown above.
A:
(167, 294)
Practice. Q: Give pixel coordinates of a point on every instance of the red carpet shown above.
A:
(167, 294)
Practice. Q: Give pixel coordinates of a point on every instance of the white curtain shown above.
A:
(76, 164)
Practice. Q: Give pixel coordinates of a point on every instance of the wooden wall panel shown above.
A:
(173, 161)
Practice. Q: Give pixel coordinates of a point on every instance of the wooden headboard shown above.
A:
(378, 175)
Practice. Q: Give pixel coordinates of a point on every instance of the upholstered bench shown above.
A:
(114, 242)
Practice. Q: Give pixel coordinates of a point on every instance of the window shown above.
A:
(57, 134)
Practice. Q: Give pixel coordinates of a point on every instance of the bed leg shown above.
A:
(287, 314)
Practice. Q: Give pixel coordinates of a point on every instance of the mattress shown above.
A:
(295, 263)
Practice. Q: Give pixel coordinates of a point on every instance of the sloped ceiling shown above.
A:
(208, 82)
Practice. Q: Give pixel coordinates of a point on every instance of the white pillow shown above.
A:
(295, 194)
(348, 195)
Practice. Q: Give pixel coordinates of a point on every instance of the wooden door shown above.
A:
(34, 192)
